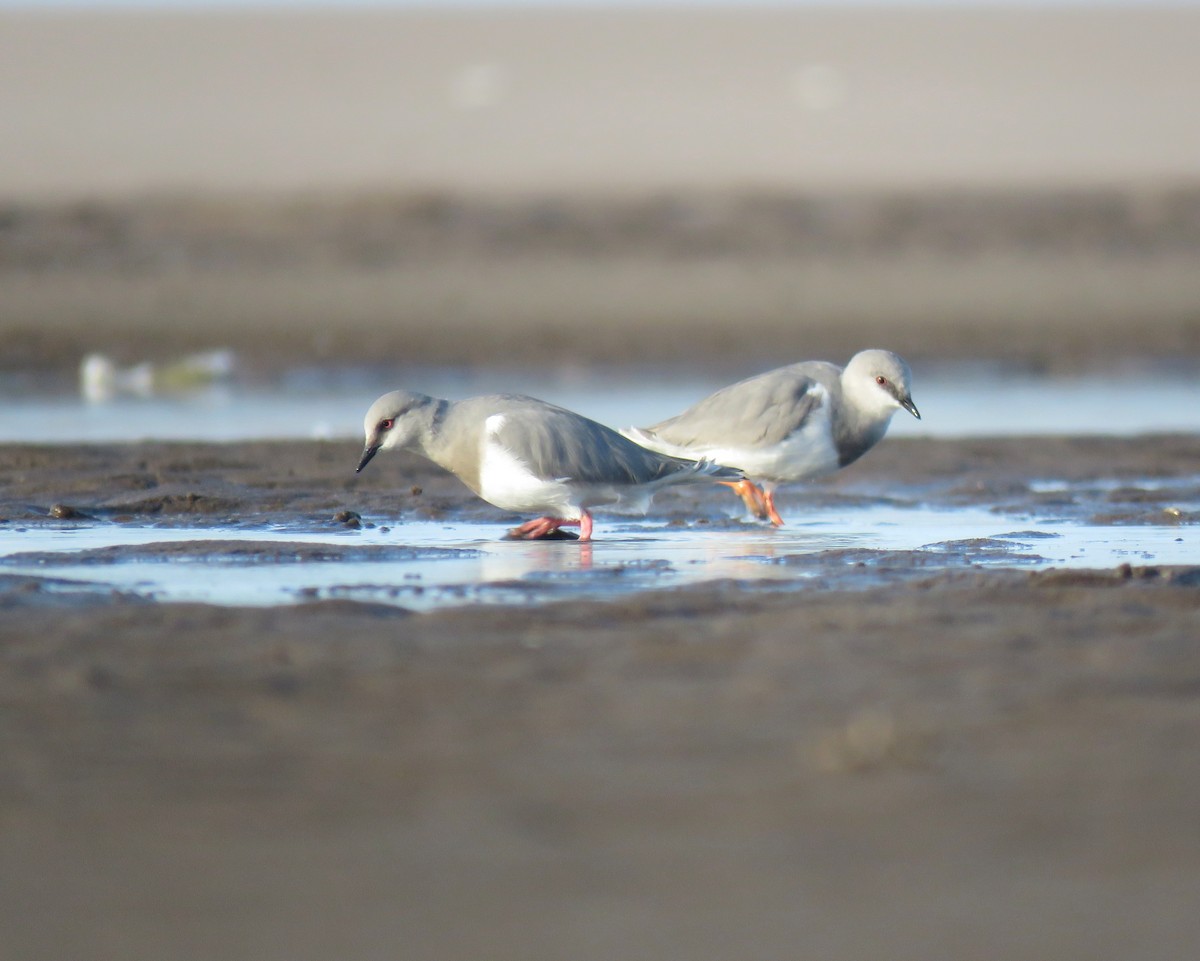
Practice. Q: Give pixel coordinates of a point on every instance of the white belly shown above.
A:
(506, 481)
(809, 452)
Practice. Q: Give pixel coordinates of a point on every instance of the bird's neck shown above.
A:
(858, 422)
(449, 439)
(428, 438)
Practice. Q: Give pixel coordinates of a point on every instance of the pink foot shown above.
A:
(536, 529)
(542, 527)
(546, 527)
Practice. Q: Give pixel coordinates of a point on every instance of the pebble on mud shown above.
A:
(349, 518)
(61, 512)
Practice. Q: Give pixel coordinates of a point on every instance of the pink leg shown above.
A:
(545, 526)
(537, 528)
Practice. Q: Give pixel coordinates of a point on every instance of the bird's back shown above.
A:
(557, 443)
(760, 411)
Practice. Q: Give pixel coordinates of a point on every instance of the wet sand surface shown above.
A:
(891, 758)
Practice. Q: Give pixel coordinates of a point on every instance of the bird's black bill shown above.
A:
(909, 406)
(366, 457)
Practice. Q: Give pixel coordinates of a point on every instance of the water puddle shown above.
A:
(330, 404)
(429, 565)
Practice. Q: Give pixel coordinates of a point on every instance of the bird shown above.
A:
(792, 423)
(524, 455)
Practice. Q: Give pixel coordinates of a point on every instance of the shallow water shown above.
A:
(428, 565)
(425, 565)
(955, 402)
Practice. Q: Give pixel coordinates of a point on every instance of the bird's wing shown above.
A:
(560, 444)
(759, 412)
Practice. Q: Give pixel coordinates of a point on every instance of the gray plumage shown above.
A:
(523, 454)
(791, 423)
(760, 411)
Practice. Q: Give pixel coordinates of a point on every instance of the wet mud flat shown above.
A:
(895, 758)
(1042, 278)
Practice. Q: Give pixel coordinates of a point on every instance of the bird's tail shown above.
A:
(651, 441)
(713, 470)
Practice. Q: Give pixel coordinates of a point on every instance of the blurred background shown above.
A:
(697, 189)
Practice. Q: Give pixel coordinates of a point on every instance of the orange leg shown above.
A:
(758, 502)
(751, 496)
(769, 500)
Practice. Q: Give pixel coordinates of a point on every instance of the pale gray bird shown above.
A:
(789, 424)
(524, 455)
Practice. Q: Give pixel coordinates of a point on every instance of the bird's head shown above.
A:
(391, 423)
(879, 383)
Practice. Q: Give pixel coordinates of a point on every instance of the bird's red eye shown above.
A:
(386, 424)
(881, 380)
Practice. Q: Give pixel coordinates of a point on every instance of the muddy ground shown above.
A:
(941, 765)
